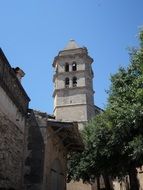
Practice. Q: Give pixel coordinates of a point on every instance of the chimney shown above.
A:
(19, 73)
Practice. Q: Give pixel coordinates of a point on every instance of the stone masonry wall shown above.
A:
(34, 155)
(54, 150)
(11, 154)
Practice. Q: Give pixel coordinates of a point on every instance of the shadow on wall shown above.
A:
(34, 161)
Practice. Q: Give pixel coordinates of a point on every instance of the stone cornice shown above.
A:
(73, 88)
(72, 105)
(82, 54)
(67, 74)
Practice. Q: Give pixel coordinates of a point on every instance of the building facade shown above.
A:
(33, 145)
(48, 143)
(13, 109)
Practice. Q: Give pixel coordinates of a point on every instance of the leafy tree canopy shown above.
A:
(114, 139)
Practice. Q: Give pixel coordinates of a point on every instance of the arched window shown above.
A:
(66, 67)
(74, 82)
(67, 82)
(74, 66)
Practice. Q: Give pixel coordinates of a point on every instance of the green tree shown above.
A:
(114, 139)
(126, 106)
(94, 161)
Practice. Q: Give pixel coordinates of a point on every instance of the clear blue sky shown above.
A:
(33, 31)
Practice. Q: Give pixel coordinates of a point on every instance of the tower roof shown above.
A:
(71, 45)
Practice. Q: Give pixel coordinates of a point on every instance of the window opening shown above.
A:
(66, 67)
(74, 66)
(67, 82)
(74, 81)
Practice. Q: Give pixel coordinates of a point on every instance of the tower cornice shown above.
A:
(73, 88)
(71, 73)
(62, 55)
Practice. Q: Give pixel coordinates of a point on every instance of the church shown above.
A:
(33, 144)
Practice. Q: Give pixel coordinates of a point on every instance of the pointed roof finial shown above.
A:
(71, 45)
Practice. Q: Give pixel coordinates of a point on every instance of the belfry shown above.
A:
(73, 79)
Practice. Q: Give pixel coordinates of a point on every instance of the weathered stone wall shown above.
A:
(12, 124)
(54, 152)
(34, 155)
(11, 154)
(13, 109)
(68, 59)
(72, 113)
(11, 85)
(69, 97)
(8, 107)
(60, 80)
(74, 103)
(45, 155)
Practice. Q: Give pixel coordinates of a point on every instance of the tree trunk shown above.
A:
(107, 183)
(134, 183)
(98, 183)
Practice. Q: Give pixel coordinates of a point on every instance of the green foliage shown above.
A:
(101, 152)
(114, 139)
(83, 165)
(136, 146)
(126, 105)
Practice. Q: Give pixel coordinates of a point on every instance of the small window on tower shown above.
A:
(74, 66)
(67, 82)
(74, 82)
(66, 67)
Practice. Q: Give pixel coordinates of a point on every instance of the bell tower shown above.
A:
(73, 90)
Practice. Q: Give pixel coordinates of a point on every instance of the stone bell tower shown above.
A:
(73, 91)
